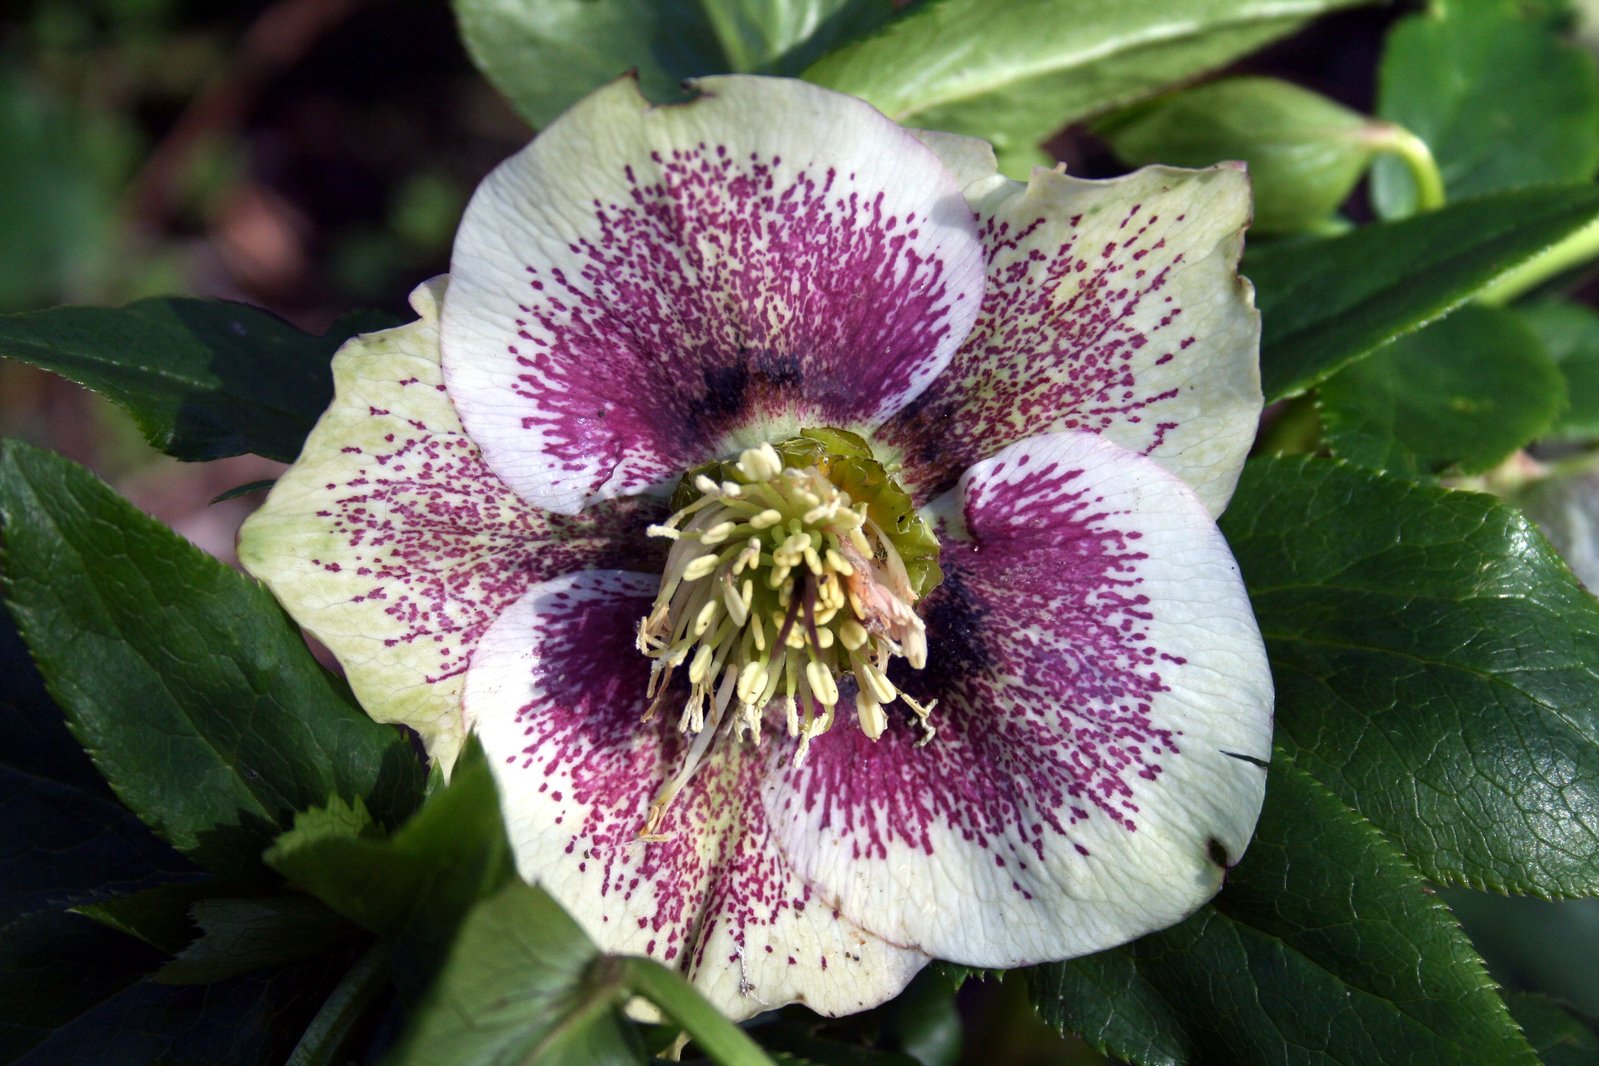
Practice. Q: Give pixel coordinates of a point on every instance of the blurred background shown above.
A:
(311, 156)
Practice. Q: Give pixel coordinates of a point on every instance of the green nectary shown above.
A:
(846, 460)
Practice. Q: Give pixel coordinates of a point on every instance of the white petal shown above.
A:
(646, 288)
(556, 691)
(1103, 721)
(393, 544)
(1114, 307)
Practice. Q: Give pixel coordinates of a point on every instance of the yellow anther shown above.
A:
(839, 563)
(853, 634)
(872, 678)
(717, 533)
(751, 680)
(700, 567)
(701, 664)
(707, 615)
(737, 606)
(873, 720)
(766, 519)
(821, 681)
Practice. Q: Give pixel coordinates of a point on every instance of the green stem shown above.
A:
(1577, 249)
(1417, 157)
(721, 1040)
(322, 1044)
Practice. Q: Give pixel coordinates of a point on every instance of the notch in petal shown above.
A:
(1113, 307)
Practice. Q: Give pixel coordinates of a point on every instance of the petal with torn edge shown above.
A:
(393, 544)
(1113, 307)
(646, 288)
(1103, 722)
(556, 692)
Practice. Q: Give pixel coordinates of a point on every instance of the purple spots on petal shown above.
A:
(1039, 656)
(720, 293)
(446, 546)
(1055, 346)
(716, 872)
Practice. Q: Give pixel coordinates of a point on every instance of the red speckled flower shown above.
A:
(816, 527)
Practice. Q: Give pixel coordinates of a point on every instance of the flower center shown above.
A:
(793, 568)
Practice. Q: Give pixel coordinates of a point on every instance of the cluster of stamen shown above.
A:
(777, 585)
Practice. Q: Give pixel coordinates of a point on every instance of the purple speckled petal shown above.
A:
(643, 289)
(1104, 714)
(1113, 307)
(556, 692)
(392, 543)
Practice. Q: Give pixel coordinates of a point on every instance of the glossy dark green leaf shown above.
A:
(1558, 1036)
(1326, 303)
(546, 55)
(240, 935)
(64, 838)
(1323, 947)
(1014, 73)
(1497, 95)
(195, 696)
(1305, 152)
(521, 984)
(1437, 667)
(203, 379)
(1464, 393)
(1570, 335)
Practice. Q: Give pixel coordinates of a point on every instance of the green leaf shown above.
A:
(1326, 303)
(64, 838)
(521, 984)
(55, 966)
(924, 1021)
(1558, 1036)
(158, 916)
(545, 55)
(786, 36)
(1495, 93)
(1437, 667)
(1305, 152)
(419, 884)
(1323, 947)
(203, 379)
(241, 935)
(248, 1021)
(195, 696)
(1570, 334)
(1464, 392)
(1014, 73)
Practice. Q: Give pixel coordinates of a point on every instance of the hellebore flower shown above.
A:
(935, 651)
